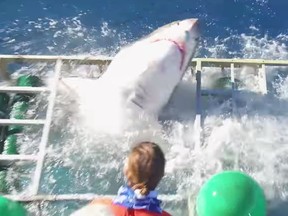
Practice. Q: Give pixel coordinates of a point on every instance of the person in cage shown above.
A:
(143, 170)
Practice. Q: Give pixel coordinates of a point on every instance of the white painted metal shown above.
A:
(18, 89)
(77, 197)
(14, 158)
(22, 122)
(197, 121)
(3, 71)
(216, 92)
(232, 74)
(102, 61)
(46, 58)
(262, 79)
(46, 129)
(232, 63)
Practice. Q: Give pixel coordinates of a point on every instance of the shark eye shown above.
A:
(197, 39)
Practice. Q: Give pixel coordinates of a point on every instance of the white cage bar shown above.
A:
(197, 65)
(16, 89)
(18, 158)
(77, 197)
(46, 129)
(22, 122)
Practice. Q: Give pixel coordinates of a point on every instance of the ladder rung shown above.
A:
(18, 89)
(215, 92)
(22, 121)
(46, 128)
(13, 158)
(87, 197)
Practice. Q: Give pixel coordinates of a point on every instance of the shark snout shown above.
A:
(194, 28)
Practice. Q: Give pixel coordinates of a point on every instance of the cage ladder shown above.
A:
(232, 93)
(46, 123)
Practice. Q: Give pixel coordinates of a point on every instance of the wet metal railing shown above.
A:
(197, 65)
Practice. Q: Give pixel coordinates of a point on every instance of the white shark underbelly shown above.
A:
(139, 81)
(145, 80)
(132, 92)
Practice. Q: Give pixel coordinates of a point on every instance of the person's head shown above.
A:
(231, 193)
(144, 167)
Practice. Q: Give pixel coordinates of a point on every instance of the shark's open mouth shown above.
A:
(181, 48)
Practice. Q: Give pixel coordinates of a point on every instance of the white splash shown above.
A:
(255, 141)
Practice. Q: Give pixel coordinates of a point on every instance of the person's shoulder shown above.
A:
(143, 212)
(104, 201)
(98, 209)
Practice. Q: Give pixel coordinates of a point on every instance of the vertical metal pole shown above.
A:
(262, 79)
(3, 71)
(233, 88)
(198, 120)
(198, 88)
(46, 129)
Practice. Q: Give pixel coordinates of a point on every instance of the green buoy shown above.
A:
(18, 110)
(225, 83)
(10, 146)
(28, 81)
(3, 182)
(4, 106)
(231, 193)
(21, 102)
(11, 208)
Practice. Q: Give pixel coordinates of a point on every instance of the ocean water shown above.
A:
(80, 161)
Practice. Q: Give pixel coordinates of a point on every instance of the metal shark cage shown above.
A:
(197, 65)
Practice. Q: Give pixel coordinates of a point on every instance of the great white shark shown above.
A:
(140, 80)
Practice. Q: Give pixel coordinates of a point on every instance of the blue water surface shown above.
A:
(29, 22)
(74, 27)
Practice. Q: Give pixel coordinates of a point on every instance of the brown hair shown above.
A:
(145, 167)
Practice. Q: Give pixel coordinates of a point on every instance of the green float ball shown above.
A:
(225, 83)
(11, 208)
(29, 80)
(231, 193)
